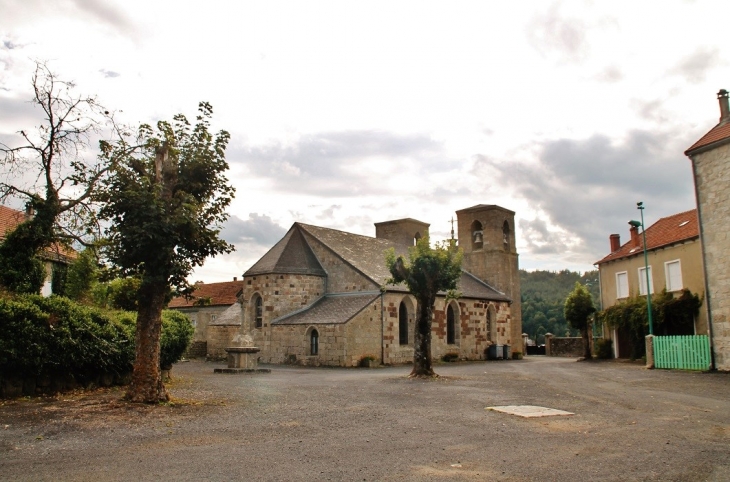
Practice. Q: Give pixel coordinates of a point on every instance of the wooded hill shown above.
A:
(543, 296)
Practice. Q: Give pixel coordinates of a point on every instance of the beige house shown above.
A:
(710, 157)
(210, 303)
(319, 296)
(675, 263)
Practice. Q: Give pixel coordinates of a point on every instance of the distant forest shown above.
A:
(543, 296)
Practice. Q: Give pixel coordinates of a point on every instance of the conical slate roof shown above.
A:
(291, 255)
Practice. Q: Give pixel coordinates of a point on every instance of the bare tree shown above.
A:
(54, 170)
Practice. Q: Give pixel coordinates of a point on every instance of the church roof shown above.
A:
(479, 207)
(291, 255)
(338, 308)
(364, 253)
(231, 316)
(472, 287)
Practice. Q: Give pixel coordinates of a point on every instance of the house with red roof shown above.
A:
(53, 256)
(675, 263)
(211, 304)
(710, 157)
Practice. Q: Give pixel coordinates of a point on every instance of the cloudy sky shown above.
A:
(343, 113)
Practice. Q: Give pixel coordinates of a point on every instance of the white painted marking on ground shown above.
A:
(529, 411)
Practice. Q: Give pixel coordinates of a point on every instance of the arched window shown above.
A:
(416, 238)
(403, 324)
(450, 326)
(477, 235)
(505, 235)
(314, 343)
(258, 311)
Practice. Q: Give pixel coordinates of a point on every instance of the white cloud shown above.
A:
(347, 113)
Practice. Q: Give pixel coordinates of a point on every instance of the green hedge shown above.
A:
(56, 335)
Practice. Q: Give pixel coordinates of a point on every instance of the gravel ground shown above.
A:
(375, 424)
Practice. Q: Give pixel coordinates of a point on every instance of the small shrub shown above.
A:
(177, 331)
(517, 355)
(603, 348)
(450, 357)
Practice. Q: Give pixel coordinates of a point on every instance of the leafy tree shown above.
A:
(578, 309)
(52, 169)
(672, 316)
(117, 294)
(429, 271)
(165, 204)
(544, 293)
(81, 276)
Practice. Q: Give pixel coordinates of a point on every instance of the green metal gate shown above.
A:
(682, 352)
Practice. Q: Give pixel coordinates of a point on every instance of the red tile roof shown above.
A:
(10, 218)
(718, 134)
(667, 231)
(219, 294)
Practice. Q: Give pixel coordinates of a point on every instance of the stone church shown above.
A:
(319, 296)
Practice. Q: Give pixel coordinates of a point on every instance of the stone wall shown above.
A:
(219, 338)
(393, 352)
(201, 317)
(712, 178)
(472, 337)
(363, 335)
(281, 294)
(197, 349)
(471, 334)
(564, 346)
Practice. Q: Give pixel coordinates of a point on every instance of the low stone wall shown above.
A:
(564, 346)
(197, 349)
(219, 338)
(14, 386)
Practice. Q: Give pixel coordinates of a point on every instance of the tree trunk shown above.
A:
(422, 366)
(146, 385)
(586, 334)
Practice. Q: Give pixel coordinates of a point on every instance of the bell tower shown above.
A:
(403, 233)
(487, 238)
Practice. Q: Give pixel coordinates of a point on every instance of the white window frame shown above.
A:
(670, 286)
(619, 294)
(642, 281)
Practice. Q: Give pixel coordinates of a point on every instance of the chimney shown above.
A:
(634, 230)
(722, 97)
(615, 240)
(29, 211)
(235, 278)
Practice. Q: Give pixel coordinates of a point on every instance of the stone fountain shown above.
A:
(242, 357)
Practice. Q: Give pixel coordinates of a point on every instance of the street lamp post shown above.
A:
(640, 207)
